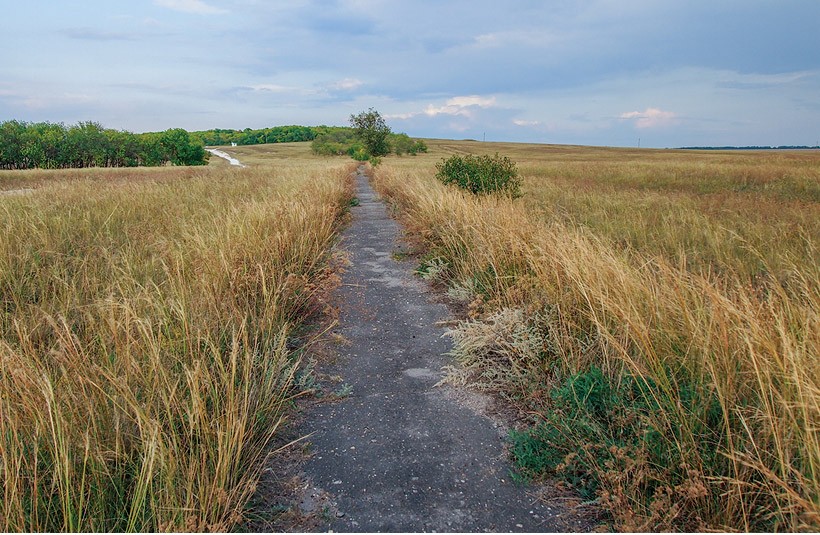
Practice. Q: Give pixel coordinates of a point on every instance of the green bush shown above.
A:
(358, 153)
(607, 438)
(481, 175)
(418, 146)
(404, 144)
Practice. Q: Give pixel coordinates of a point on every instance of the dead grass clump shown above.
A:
(503, 353)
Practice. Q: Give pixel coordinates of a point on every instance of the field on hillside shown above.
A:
(274, 154)
(743, 211)
(148, 323)
(654, 314)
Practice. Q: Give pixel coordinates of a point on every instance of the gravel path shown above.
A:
(224, 155)
(398, 453)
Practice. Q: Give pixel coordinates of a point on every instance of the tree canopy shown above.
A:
(372, 130)
(338, 141)
(88, 144)
(274, 134)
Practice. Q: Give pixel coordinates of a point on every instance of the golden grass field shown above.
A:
(144, 342)
(144, 362)
(691, 280)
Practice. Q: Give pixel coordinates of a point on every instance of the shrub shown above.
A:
(404, 144)
(358, 153)
(481, 175)
(607, 439)
(418, 146)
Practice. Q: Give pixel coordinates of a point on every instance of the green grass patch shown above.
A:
(605, 439)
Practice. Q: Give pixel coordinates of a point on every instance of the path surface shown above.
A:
(399, 454)
(226, 156)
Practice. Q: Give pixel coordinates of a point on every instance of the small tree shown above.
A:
(372, 130)
(481, 175)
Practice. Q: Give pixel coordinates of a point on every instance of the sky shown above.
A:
(590, 72)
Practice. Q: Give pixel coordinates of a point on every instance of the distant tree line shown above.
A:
(88, 144)
(275, 134)
(46, 145)
(326, 140)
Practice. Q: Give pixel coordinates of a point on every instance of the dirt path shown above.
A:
(399, 453)
(224, 155)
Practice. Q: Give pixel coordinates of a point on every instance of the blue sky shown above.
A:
(593, 72)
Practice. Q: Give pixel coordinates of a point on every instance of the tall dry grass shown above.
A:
(750, 218)
(144, 356)
(724, 350)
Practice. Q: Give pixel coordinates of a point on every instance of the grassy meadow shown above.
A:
(653, 314)
(149, 319)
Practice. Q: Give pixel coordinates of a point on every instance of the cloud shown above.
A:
(400, 116)
(650, 118)
(346, 84)
(190, 6)
(519, 37)
(39, 101)
(464, 106)
(472, 100)
(271, 88)
(314, 90)
(521, 122)
(460, 106)
(733, 80)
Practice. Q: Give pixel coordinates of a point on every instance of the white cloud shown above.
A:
(32, 99)
(190, 6)
(408, 115)
(346, 84)
(650, 117)
(323, 89)
(432, 111)
(464, 106)
(518, 37)
(39, 102)
(460, 106)
(521, 122)
(271, 88)
(735, 80)
(472, 100)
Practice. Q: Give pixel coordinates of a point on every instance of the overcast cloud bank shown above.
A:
(591, 72)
